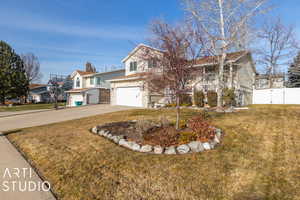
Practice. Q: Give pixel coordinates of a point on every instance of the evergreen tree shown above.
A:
(13, 80)
(294, 73)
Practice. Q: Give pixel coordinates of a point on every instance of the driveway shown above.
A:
(52, 116)
(11, 160)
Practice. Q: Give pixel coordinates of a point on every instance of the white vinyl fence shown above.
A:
(277, 96)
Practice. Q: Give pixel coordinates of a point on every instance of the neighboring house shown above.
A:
(262, 81)
(39, 93)
(90, 87)
(239, 73)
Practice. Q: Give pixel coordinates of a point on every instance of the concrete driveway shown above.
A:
(12, 162)
(52, 116)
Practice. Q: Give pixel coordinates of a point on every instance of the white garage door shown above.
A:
(130, 96)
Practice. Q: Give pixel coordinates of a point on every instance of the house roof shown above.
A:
(128, 77)
(32, 86)
(230, 57)
(77, 90)
(108, 72)
(81, 73)
(137, 48)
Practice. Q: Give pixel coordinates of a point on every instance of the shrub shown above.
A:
(185, 100)
(199, 98)
(202, 128)
(186, 137)
(228, 97)
(212, 98)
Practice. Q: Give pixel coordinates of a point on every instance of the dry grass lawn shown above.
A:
(258, 159)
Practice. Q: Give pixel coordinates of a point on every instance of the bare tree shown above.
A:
(224, 25)
(171, 62)
(32, 67)
(277, 46)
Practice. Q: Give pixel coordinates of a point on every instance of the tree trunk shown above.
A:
(2, 99)
(177, 112)
(223, 55)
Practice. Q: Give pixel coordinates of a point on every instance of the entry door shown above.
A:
(129, 96)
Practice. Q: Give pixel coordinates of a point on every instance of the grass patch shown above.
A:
(24, 107)
(258, 159)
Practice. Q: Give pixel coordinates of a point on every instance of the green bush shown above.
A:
(199, 98)
(185, 100)
(228, 97)
(212, 98)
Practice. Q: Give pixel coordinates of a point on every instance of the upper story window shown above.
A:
(133, 66)
(98, 81)
(77, 82)
(92, 81)
(152, 63)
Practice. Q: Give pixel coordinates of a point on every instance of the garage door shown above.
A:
(130, 96)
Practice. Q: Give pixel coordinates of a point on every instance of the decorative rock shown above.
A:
(206, 146)
(101, 132)
(123, 142)
(109, 136)
(170, 150)
(116, 139)
(105, 134)
(146, 148)
(158, 150)
(95, 130)
(218, 133)
(216, 139)
(212, 144)
(133, 146)
(182, 149)
(196, 146)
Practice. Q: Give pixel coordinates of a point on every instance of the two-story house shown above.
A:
(239, 73)
(90, 87)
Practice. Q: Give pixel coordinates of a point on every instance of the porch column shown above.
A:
(230, 76)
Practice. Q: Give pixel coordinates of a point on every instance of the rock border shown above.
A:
(192, 147)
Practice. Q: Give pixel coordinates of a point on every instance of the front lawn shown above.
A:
(258, 159)
(24, 107)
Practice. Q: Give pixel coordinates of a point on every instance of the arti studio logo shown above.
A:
(21, 179)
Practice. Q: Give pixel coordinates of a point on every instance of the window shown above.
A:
(98, 81)
(77, 82)
(133, 66)
(152, 63)
(92, 81)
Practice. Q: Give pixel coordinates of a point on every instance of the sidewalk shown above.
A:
(12, 160)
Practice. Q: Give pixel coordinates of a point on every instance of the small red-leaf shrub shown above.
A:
(202, 127)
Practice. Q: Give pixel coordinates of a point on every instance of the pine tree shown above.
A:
(294, 73)
(13, 80)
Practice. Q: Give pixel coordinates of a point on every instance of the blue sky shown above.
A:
(65, 34)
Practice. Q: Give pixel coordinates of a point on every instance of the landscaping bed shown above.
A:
(148, 136)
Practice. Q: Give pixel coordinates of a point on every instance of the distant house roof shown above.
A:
(34, 85)
(230, 57)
